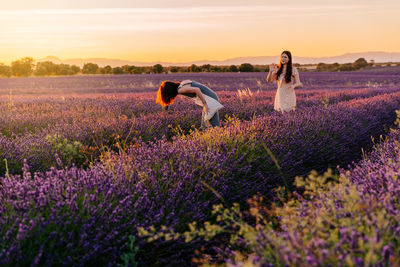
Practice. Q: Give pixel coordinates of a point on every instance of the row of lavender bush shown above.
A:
(81, 217)
(77, 130)
(115, 84)
(351, 220)
(24, 114)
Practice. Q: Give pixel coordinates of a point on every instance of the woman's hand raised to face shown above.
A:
(273, 67)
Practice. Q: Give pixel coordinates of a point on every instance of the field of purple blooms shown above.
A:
(87, 161)
(347, 220)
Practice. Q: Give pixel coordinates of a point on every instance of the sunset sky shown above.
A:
(181, 30)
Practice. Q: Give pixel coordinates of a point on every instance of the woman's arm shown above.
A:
(297, 80)
(195, 90)
(272, 73)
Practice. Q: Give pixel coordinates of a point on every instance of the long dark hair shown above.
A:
(288, 75)
(167, 93)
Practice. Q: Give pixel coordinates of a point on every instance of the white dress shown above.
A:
(285, 98)
(213, 106)
(211, 99)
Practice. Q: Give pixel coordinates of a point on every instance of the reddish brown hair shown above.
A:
(167, 93)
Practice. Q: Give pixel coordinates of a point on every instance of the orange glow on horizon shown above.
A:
(185, 34)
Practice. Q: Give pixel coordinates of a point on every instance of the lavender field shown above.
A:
(94, 173)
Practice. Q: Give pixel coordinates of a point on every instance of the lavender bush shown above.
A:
(84, 217)
(92, 159)
(351, 220)
(103, 122)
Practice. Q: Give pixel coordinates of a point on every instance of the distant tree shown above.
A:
(194, 68)
(90, 68)
(347, 67)
(146, 69)
(46, 68)
(75, 69)
(139, 70)
(183, 69)
(336, 66)
(360, 63)
(321, 66)
(107, 70)
(206, 68)
(118, 70)
(132, 69)
(22, 67)
(174, 69)
(233, 68)
(158, 68)
(5, 71)
(215, 69)
(246, 67)
(223, 68)
(126, 69)
(49, 68)
(259, 68)
(64, 69)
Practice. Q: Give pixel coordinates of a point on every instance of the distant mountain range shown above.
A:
(378, 57)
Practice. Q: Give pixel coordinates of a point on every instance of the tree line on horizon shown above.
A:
(26, 67)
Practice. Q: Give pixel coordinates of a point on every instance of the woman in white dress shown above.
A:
(287, 78)
(199, 93)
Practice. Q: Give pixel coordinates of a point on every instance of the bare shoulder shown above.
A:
(184, 82)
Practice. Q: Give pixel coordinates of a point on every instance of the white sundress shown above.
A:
(285, 98)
